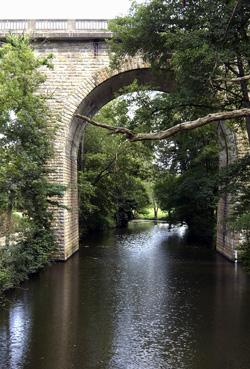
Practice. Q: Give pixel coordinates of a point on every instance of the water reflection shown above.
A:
(150, 324)
(15, 335)
(133, 299)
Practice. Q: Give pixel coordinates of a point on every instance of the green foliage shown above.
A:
(112, 172)
(25, 256)
(25, 136)
(187, 187)
(25, 148)
(200, 43)
(149, 214)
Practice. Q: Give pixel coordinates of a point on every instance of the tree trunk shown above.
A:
(155, 211)
(9, 218)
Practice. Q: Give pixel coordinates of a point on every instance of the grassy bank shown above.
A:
(148, 214)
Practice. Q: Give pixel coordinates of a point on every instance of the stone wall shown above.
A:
(74, 63)
(233, 146)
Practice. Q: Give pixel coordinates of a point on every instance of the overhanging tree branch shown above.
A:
(161, 135)
(128, 133)
(234, 80)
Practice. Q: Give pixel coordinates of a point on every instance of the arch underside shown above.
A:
(112, 88)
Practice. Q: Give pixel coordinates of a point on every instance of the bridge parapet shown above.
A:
(56, 28)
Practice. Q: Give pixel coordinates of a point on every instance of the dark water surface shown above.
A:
(136, 299)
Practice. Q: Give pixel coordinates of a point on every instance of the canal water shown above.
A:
(133, 299)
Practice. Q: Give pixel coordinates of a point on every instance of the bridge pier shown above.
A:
(233, 147)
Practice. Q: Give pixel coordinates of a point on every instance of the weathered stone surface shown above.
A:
(234, 145)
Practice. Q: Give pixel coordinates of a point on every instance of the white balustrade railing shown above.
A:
(81, 24)
(13, 25)
(61, 25)
(51, 25)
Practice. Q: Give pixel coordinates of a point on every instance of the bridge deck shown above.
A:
(56, 28)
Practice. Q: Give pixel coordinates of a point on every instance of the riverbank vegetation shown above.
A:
(25, 148)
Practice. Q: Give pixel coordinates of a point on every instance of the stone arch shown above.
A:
(93, 93)
(107, 89)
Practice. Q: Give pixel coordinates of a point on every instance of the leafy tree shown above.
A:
(187, 187)
(112, 171)
(185, 170)
(25, 148)
(205, 43)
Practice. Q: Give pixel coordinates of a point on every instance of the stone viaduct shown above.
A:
(82, 82)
